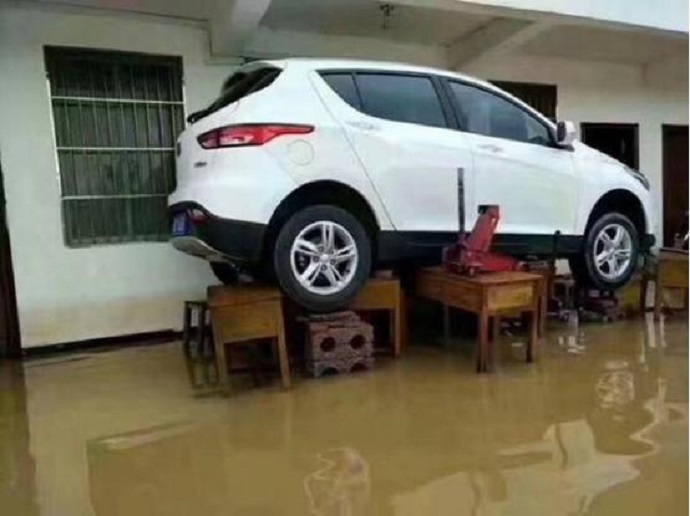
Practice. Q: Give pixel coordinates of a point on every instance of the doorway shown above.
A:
(675, 180)
(620, 141)
(542, 97)
(10, 346)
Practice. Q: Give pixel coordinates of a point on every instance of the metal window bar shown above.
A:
(103, 179)
(117, 101)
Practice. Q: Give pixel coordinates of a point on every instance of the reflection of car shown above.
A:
(315, 169)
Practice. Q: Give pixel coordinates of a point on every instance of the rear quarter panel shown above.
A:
(326, 153)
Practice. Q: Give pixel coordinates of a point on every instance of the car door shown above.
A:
(401, 133)
(516, 164)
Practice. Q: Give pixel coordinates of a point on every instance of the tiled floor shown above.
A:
(598, 425)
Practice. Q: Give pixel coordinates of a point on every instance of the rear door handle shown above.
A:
(490, 147)
(364, 126)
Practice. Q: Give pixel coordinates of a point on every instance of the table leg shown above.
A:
(186, 328)
(222, 365)
(544, 305)
(534, 330)
(644, 284)
(282, 352)
(657, 300)
(396, 328)
(483, 341)
(446, 326)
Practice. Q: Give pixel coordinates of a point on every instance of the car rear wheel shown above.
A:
(610, 253)
(322, 257)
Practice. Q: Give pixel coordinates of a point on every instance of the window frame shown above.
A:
(100, 56)
(446, 107)
(451, 97)
(326, 73)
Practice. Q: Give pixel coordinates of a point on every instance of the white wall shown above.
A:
(605, 92)
(67, 294)
(73, 294)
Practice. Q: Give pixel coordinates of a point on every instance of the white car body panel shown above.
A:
(407, 173)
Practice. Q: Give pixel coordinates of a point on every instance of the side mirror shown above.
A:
(565, 133)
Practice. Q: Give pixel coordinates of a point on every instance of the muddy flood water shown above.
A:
(598, 425)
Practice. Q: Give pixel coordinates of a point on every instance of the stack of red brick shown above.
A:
(338, 343)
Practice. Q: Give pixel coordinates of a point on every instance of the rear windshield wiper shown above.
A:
(196, 116)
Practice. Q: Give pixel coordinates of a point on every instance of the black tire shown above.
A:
(584, 268)
(226, 273)
(282, 258)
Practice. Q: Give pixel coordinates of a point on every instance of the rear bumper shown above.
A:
(218, 239)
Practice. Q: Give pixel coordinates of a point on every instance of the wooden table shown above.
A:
(672, 273)
(384, 294)
(487, 295)
(243, 313)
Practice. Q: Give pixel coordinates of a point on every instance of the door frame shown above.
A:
(666, 129)
(12, 347)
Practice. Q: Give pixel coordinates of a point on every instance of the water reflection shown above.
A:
(120, 434)
(17, 480)
(340, 486)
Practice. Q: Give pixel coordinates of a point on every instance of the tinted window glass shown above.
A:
(344, 85)
(482, 112)
(239, 85)
(402, 98)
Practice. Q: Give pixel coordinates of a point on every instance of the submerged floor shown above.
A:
(599, 425)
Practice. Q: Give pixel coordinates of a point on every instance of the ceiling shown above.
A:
(597, 44)
(364, 18)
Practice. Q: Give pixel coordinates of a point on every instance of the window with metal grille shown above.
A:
(116, 118)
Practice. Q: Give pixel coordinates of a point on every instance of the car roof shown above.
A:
(313, 63)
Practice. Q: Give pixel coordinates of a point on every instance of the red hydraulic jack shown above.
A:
(471, 254)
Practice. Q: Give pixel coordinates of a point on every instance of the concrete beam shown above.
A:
(233, 22)
(497, 36)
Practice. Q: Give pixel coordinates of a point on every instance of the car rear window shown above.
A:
(237, 86)
(344, 85)
(401, 98)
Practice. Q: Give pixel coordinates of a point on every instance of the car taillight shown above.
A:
(244, 135)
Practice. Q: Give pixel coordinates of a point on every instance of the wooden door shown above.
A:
(675, 181)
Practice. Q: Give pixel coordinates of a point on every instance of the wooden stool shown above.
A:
(672, 273)
(487, 295)
(384, 294)
(246, 312)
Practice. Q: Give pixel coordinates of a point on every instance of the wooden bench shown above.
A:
(487, 295)
(242, 313)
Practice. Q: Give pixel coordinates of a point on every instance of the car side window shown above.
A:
(401, 98)
(482, 112)
(344, 85)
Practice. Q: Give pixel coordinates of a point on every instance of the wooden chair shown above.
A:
(245, 313)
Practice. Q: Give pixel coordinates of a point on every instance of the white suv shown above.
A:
(314, 170)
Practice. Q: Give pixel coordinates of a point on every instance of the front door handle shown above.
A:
(490, 147)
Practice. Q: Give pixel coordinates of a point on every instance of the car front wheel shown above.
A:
(322, 257)
(611, 252)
